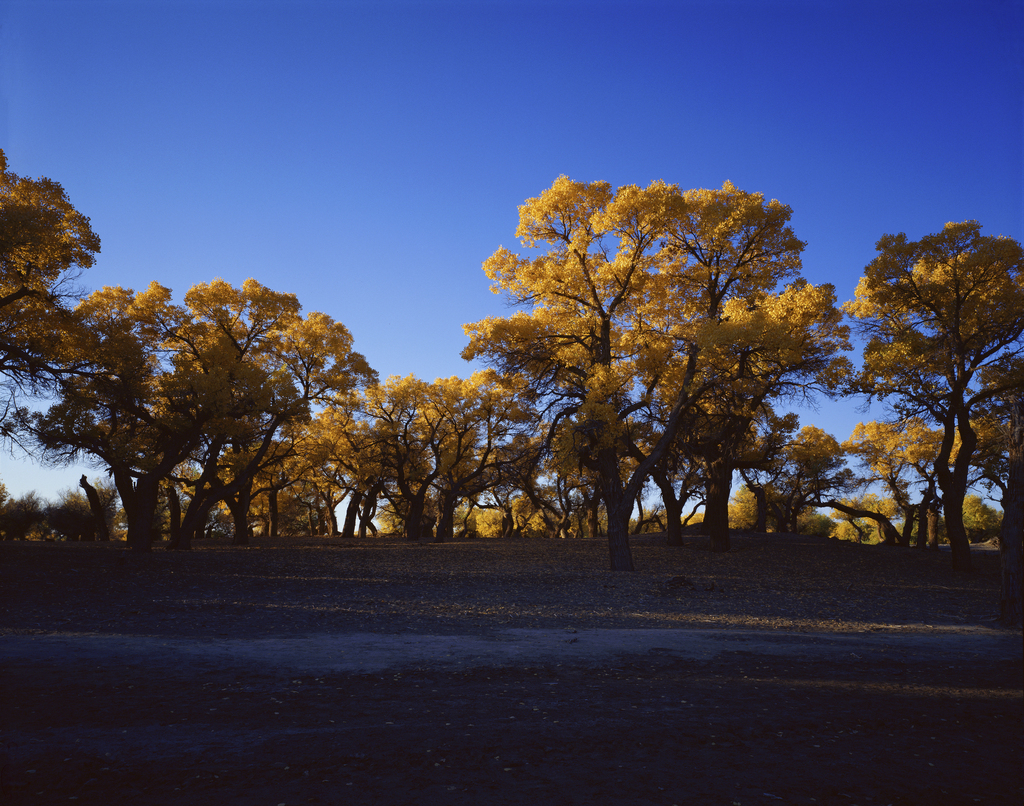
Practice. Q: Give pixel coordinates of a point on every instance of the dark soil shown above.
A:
(846, 675)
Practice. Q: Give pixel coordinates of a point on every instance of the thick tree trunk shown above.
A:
(716, 502)
(959, 544)
(619, 556)
(193, 523)
(99, 517)
(909, 513)
(414, 518)
(618, 507)
(140, 502)
(351, 514)
(1011, 535)
(953, 484)
(239, 504)
(446, 520)
(673, 510)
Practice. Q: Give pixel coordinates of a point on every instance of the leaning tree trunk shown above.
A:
(1011, 535)
(909, 514)
(351, 514)
(369, 510)
(99, 517)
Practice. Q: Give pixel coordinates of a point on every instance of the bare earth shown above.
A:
(791, 670)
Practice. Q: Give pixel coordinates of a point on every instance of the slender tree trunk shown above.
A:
(641, 516)
(594, 516)
(761, 499)
(673, 521)
(174, 511)
(369, 510)
(716, 502)
(909, 513)
(922, 523)
(933, 526)
(1011, 535)
(273, 512)
(673, 510)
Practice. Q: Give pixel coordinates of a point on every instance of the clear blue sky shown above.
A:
(368, 156)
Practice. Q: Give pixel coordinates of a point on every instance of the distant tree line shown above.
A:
(656, 338)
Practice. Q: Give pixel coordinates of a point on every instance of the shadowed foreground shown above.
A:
(792, 670)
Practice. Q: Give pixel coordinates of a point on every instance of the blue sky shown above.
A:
(368, 156)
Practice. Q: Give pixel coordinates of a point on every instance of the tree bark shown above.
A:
(1011, 535)
(716, 502)
(239, 504)
(139, 497)
(369, 510)
(99, 517)
(673, 510)
(446, 519)
(351, 514)
(761, 499)
(953, 484)
(619, 556)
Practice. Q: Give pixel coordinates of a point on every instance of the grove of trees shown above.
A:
(656, 338)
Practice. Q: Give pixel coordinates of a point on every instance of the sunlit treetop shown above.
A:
(44, 240)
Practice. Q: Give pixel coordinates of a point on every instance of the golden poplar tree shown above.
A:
(45, 243)
(944, 318)
(642, 294)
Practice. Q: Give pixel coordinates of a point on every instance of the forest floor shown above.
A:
(791, 670)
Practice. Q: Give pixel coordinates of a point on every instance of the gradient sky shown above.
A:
(368, 156)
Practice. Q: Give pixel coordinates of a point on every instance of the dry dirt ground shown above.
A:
(792, 670)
